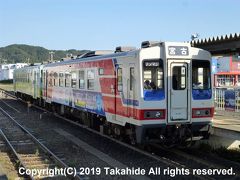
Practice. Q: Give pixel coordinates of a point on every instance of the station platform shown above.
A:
(226, 130)
(227, 120)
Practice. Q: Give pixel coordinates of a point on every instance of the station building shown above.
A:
(6, 70)
(227, 71)
(225, 50)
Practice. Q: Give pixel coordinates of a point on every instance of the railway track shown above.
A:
(28, 153)
(196, 159)
(174, 162)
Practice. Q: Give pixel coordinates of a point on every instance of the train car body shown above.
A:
(161, 92)
(28, 82)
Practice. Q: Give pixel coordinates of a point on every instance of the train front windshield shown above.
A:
(153, 80)
(201, 74)
(201, 79)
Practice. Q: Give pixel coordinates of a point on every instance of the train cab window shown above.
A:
(119, 80)
(61, 79)
(179, 78)
(90, 79)
(67, 79)
(153, 81)
(201, 74)
(81, 79)
(74, 79)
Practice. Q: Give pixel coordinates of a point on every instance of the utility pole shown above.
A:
(51, 53)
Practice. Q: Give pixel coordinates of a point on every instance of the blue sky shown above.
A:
(105, 24)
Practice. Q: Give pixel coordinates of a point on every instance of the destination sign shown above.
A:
(178, 51)
(151, 63)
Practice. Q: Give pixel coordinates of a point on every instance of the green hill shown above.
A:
(18, 53)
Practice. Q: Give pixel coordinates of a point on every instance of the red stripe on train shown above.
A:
(119, 109)
(106, 84)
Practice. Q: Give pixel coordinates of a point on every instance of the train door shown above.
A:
(131, 91)
(118, 92)
(178, 91)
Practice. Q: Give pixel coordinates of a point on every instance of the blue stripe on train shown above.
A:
(201, 94)
(153, 95)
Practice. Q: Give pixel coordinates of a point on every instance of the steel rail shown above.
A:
(42, 146)
(148, 154)
(7, 93)
(15, 153)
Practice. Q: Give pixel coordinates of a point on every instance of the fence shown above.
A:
(227, 99)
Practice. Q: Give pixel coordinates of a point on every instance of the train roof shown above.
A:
(28, 67)
(105, 54)
(97, 57)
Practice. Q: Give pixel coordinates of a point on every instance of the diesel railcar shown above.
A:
(161, 92)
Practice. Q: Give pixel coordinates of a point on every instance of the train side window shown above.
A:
(50, 83)
(101, 71)
(61, 79)
(67, 79)
(119, 79)
(74, 79)
(179, 78)
(55, 80)
(41, 78)
(81, 79)
(131, 78)
(90, 79)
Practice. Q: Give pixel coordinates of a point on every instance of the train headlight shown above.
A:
(202, 112)
(198, 112)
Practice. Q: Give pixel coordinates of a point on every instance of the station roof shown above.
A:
(220, 45)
